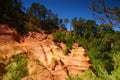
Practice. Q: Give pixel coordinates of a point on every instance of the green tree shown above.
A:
(37, 11)
(48, 14)
(34, 10)
(80, 25)
(60, 21)
(59, 36)
(107, 13)
(10, 6)
(74, 23)
(89, 29)
(43, 12)
(116, 62)
(66, 21)
(55, 19)
(13, 10)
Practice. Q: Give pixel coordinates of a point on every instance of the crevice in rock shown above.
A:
(45, 55)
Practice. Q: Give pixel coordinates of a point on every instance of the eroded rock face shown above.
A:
(7, 34)
(53, 58)
(46, 59)
(34, 36)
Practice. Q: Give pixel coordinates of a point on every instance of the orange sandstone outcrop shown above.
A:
(46, 59)
(7, 34)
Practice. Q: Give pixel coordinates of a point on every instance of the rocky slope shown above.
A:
(46, 59)
(7, 34)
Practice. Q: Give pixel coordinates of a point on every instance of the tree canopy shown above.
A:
(106, 13)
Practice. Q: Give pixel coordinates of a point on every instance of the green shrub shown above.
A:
(73, 77)
(66, 51)
(16, 68)
(69, 40)
(100, 70)
(116, 60)
(54, 59)
(89, 75)
(29, 27)
(59, 36)
(82, 42)
(116, 46)
(114, 75)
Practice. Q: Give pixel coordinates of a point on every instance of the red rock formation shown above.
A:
(52, 56)
(7, 34)
(46, 59)
(35, 36)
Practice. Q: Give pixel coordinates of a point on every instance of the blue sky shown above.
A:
(65, 8)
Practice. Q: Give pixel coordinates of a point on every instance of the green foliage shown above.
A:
(115, 73)
(11, 12)
(69, 40)
(103, 58)
(66, 21)
(41, 17)
(116, 60)
(59, 36)
(89, 75)
(73, 77)
(66, 51)
(10, 7)
(106, 13)
(30, 27)
(54, 59)
(100, 53)
(116, 46)
(100, 70)
(82, 42)
(16, 68)
(37, 10)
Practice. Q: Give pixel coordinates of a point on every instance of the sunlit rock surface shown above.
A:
(46, 59)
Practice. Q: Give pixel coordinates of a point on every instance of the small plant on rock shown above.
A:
(16, 68)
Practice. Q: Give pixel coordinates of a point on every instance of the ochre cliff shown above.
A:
(7, 34)
(46, 59)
